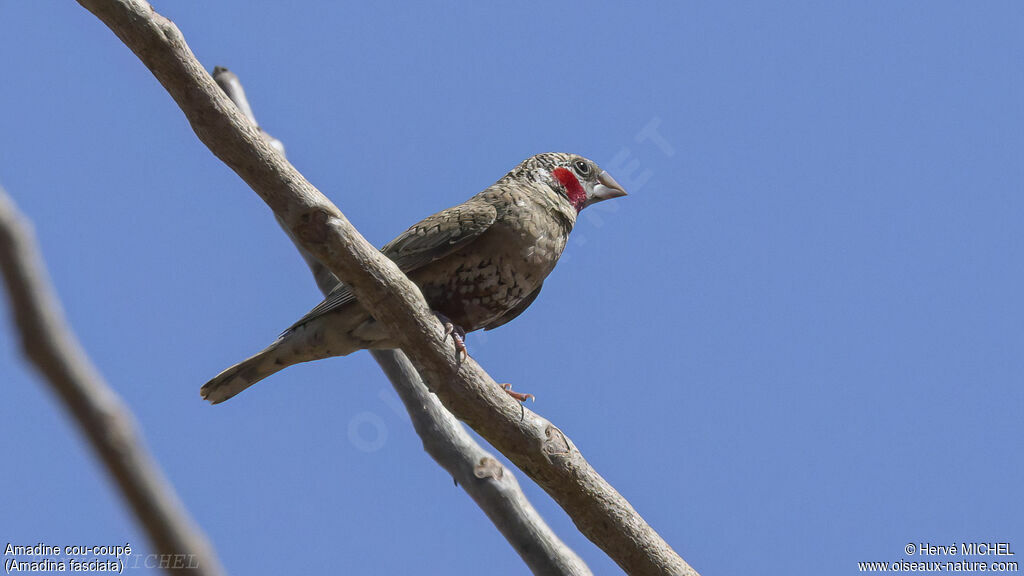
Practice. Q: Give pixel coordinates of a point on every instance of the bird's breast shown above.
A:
(484, 280)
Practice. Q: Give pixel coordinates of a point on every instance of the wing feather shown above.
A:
(429, 240)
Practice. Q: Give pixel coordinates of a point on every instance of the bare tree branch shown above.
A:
(49, 344)
(535, 445)
(491, 486)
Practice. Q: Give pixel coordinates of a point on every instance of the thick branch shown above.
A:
(535, 445)
(490, 485)
(109, 426)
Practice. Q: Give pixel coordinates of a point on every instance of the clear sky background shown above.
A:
(795, 346)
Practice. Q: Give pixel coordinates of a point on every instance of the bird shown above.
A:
(478, 264)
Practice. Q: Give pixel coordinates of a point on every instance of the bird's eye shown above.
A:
(582, 167)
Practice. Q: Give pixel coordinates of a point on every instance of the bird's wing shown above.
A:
(515, 311)
(337, 298)
(439, 235)
(430, 239)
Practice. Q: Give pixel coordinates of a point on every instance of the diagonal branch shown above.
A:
(105, 421)
(492, 487)
(535, 445)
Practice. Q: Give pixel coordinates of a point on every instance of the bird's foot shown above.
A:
(458, 336)
(459, 339)
(517, 395)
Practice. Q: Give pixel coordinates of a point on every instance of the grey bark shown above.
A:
(49, 344)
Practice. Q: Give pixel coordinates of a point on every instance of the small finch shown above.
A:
(478, 264)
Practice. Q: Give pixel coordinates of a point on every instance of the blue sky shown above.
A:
(795, 346)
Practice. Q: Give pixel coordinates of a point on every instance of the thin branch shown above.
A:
(535, 445)
(491, 486)
(49, 344)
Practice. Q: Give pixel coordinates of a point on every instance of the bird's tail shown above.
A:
(230, 382)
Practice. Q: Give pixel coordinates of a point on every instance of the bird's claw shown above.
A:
(458, 337)
(517, 395)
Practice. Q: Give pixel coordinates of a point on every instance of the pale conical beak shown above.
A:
(607, 188)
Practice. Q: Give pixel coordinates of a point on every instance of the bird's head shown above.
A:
(576, 178)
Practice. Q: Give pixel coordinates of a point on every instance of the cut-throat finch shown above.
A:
(478, 264)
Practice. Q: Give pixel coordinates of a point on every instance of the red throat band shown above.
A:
(573, 190)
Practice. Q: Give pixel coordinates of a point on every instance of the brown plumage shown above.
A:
(479, 264)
